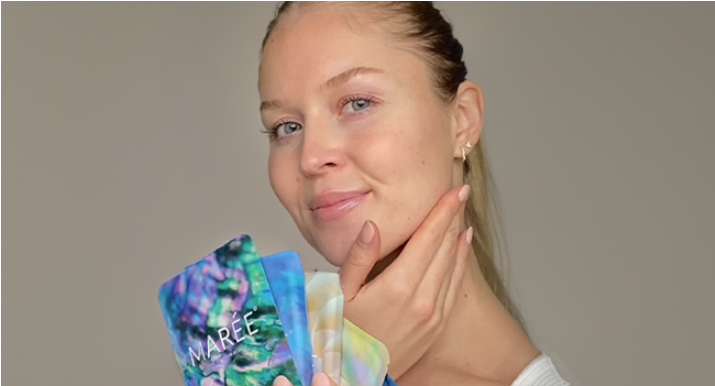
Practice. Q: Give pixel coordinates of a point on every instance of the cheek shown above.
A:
(388, 150)
(283, 181)
(408, 153)
(410, 162)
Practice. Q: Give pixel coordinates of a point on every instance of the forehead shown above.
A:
(308, 48)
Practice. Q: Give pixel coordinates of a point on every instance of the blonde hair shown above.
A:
(422, 30)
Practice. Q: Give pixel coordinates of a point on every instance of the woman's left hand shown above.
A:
(320, 379)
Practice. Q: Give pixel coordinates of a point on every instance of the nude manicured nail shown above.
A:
(464, 193)
(367, 233)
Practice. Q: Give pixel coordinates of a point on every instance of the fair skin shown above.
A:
(401, 145)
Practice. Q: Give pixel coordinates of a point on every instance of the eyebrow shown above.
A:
(333, 82)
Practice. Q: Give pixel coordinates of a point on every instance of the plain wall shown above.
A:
(131, 149)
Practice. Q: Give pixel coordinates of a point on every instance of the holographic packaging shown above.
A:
(365, 358)
(342, 350)
(236, 319)
(287, 281)
(325, 319)
(223, 323)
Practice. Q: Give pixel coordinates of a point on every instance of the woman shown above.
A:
(375, 153)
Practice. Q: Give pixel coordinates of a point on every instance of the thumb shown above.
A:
(361, 259)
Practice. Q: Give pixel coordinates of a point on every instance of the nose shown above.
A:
(321, 150)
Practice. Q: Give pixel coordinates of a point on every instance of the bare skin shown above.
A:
(481, 345)
(439, 320)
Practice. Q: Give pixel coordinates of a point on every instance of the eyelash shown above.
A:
(272, 131)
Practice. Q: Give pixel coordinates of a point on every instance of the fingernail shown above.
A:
(470, 233)
(367, 233)
(321, 379)
(281, 381)
(464, 193)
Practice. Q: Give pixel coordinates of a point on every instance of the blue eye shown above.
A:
(362, 101)
(357, 102)
(290, 128)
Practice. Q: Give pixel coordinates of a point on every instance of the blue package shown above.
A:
(286, 280)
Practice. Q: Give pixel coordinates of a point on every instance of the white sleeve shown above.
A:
(540, 372)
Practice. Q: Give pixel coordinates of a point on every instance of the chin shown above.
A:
(334, 252)
(335, 246)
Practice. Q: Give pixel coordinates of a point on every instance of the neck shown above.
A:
(481, 344)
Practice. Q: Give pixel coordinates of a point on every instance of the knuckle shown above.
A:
(453, 233)
(450, 242)
(435, 324)
(359, 259)
(424, 310)
(432, 237)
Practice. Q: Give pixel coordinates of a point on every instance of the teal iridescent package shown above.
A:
(223, 323)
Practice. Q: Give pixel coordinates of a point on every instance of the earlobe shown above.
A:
(469, 113)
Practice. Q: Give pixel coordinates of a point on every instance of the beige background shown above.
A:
(131, 148)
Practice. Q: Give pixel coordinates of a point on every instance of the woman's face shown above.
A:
(379, 135)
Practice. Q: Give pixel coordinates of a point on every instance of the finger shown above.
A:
(447, 278)
(455, 284)
(282, 381)
(424, 243)
(439, 269)
(322, 379)
(362, 257)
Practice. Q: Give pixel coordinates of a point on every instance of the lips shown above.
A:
(333, 205)
(332, 198)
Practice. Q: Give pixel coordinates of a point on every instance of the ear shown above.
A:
(468, 116)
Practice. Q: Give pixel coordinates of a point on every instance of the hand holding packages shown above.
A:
(235, 319)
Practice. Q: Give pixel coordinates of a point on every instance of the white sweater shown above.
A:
(540, 372)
